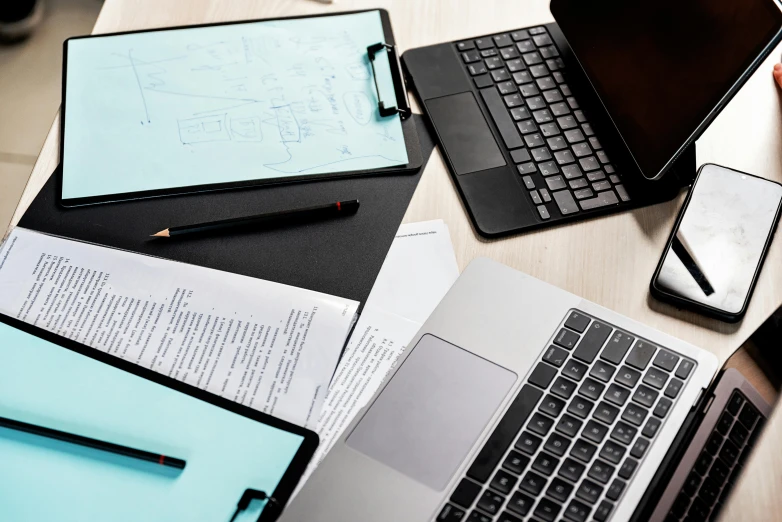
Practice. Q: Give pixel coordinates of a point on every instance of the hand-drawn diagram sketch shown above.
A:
(226, 103)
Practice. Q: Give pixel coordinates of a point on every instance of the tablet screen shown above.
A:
(660, 68)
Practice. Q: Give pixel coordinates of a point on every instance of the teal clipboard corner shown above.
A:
(411, 144)
(55, 382)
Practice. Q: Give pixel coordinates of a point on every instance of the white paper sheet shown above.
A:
(418, 271)
(269, 346)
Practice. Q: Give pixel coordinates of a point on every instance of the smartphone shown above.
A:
(716, 249)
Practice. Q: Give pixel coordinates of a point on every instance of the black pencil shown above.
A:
(284, 217)
(109, 447)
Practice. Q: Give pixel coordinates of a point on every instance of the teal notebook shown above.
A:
(228, 448)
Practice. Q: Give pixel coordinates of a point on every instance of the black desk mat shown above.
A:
(340, 257)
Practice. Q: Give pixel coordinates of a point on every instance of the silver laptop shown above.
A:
(516, 401)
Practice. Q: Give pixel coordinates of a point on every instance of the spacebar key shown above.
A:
(501, 118)
(603, 199)
(504, 434)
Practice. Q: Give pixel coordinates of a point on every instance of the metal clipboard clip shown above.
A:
(402, 106)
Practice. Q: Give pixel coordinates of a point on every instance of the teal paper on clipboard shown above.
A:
(184, 109)
(50, 381)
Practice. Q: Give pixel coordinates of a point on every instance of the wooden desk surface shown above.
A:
(607, 260)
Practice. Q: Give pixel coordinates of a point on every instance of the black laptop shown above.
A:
(595, 114)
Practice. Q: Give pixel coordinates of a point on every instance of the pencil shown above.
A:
(78, 440)
(284, 217)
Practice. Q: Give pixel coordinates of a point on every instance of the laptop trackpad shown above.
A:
(432, 411)
(460, 124)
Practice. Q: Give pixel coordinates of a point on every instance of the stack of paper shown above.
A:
(266, 345)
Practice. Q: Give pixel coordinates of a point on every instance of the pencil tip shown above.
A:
(162, 233)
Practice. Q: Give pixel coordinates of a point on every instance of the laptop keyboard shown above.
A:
(578, 429)
(522, 82)
(720, 462)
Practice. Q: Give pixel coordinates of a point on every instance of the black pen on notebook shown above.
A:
(79, 440)
(272, 219)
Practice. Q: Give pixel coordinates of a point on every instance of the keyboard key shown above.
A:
(645, 396)
(500, 75)
(574, 369)
(595, 143)
(501, 117)
(588, 491)
(723, 425)
(627, 376)
(639, 448)
(503, 482)
(587, 128)
(640, 355)
(502, 436)
(552, 405)
(666, 360)
(549, 129)
(559, 489)
(527, 168)
(502, 40)
(595, 175)
(571, 171)
(532, 483)
(515, 462)
(476, 69)
(520, 113)
(589, 163)
(488, 53)
(520, 503)
(568, 425)
(577, 512)
(516, 65)
(591, 389)
(662, 408)
(603, 199)
(506, 87)
(564, 157)
(556, 143)
(542, 375)
(556, 183)
(547, 510)
(542, 40)
(471, 56)
(567, 122)
(579, 116)
(601, 471)
(539, 70)
(545, 195)
(534, 140)
(545, 463)
(623, 433)
(615, 489)
(595, 431)
(493, 63)
(519, 35)
(738, 434)
(617, 394)
(601, 185)
(655, 378)
(718, 472)
(684, 369)
(557, 444)
(651, 428)
(476, 516)
(450, 513)
(582, 149)
(566, 338)
(734, 403)
(592, 341)
(540, 424)
(748, 416)
(525, 46)
(602, 156)
(482, 81)
(577, 184)
(583, 450)
(583, 193)
(554, 355)
(484, 43)
(634, 414)
(574, 136)
(617, 347)
(490, 502)
(528, 443)
(528, 181)
(603, 511)
(580, 407)
(565, 202)
(559, 109)
(573, 103)
(542, 116)
(560, 79)
(548, 168)
(571, 470)
(602, 371)
(465, 493)
(549, 52)
(606, 413)
(466, 45)
(528, 90)
(577, 321)
(553, 95)
(713, 443)
(563, 388)
(520, 155)
(537, 30)
(628, 468)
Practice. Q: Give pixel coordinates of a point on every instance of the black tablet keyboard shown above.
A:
(577, 431)
(711, 480)
(522, 81)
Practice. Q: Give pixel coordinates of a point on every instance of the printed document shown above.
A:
(266, 345)
(418, 271)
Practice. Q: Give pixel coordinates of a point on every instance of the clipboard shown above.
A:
(229, 449)
(210, 129)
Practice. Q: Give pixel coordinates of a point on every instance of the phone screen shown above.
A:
(716, 250)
